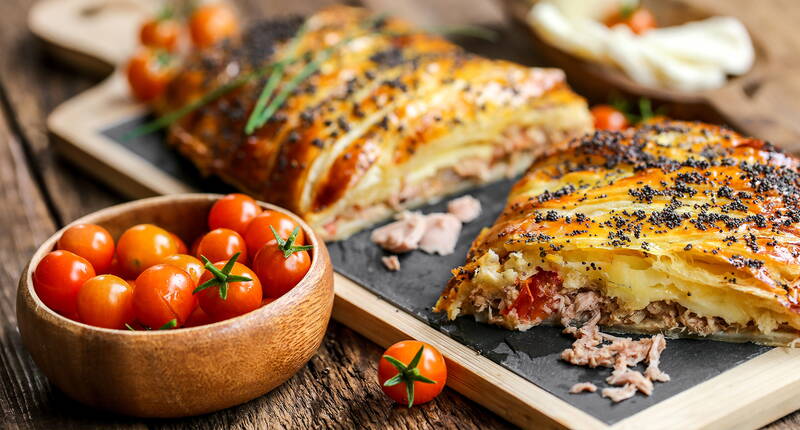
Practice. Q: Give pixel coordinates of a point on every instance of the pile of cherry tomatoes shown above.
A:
(150, 280)
(163, 37)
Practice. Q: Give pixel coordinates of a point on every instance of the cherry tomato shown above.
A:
(608, 118)
(188, 264)
(221, 244)
(258, 232)
(427, 381)
(195, 246)
(148, 73)
(639, 20)
(92, 242)
(161, 33)
(182, 249)
(280, 265)
(58, 278)
(211, 23)
(163, 293)
(142, 246)
(106, 301)
(197, 318)
(234, 211)
(232, 291)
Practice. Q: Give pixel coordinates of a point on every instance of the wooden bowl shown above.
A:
(179, 372)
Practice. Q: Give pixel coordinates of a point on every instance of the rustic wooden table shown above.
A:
(39, 193)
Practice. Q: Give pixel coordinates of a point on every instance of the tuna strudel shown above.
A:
(391, 118)
(682, 228)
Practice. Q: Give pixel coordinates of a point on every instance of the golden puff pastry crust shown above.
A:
(394, 118)
(685, 228)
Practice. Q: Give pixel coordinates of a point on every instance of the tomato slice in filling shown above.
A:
(536, 298)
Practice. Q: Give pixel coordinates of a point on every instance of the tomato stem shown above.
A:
(287, 245)
(221, 278)
(170, 324)
(407, 374)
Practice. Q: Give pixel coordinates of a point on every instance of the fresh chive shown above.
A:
(274, 79)
(171, 117)
(128, 326)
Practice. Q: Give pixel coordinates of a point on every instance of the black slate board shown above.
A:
(534, 354)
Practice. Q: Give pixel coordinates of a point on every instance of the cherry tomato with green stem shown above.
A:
(106, 301)
(221, 244)
(163, 293)
(162, 32)
(58, 279)
(90, 241)
(148, 72)
(280, 264)
(142, 246)
(234, 211)
(412, 372)
(228, 289)
(259, 233)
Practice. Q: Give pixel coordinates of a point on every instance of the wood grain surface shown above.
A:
(39, 193)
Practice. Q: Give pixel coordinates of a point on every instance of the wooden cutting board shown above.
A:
(517, 375)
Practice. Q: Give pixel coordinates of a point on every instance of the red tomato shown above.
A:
(221, 244)
(148, 74)
(92, 242)
(188, 264)
(163, 293)
(230, 291)
(195, 246)
(536, 296)
(608, 118)
(142, 246)
(198, 318)
(234, 211)
(211, 23)
(427, 376)
(639, 20)
(258, 232)
(160, 33)
(280, 265)
(267, 300)
(106, 301)
(58, 278)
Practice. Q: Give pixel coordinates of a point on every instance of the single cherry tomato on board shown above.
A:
(106, 301)
(221, 244)
(280, 264)
(228, 289)
(608, 118)
(161, 32)
(234, 211)
(163, 293)
(90, 241)
(412, 372)
(211, 23)
(148, 73)
(58, 278)
(639, 20)
(142, 246)
(188, 264)
(258, 232)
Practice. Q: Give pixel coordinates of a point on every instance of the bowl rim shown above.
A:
(319, 261)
